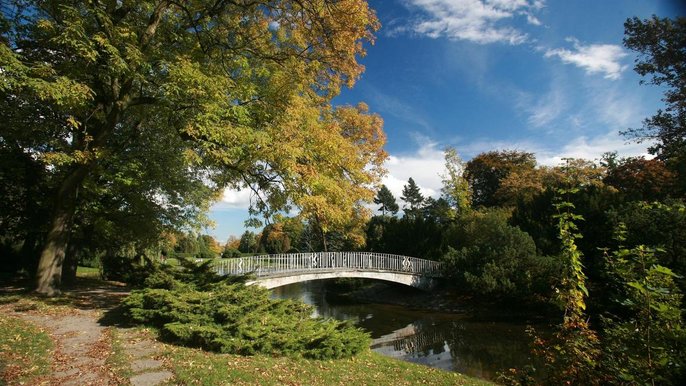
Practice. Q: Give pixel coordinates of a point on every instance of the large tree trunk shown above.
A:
(49, 275)
(71, 262)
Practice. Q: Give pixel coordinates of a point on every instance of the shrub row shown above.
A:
(192, 306)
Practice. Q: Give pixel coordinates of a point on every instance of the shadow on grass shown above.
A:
(116, 317)
(84, 294)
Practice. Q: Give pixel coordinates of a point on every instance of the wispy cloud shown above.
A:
(478, 21)
(613, 107)
(388, 104)
(545, 109)
(531, 19)
(605, 59)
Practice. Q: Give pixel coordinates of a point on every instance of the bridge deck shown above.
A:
(294, 263)
(298, 263)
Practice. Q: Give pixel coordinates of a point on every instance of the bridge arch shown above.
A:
(271, 271)
(417, 281)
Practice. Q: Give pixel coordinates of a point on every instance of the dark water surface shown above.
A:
(448, 341)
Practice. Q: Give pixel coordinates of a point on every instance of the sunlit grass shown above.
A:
(192, 366)
(88, 272)
(25, 352)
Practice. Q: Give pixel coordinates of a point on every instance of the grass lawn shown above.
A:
(197, 367)
(93, 273)
(25, 352)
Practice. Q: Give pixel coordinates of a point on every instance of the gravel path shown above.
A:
(82, 347)
(83, 342)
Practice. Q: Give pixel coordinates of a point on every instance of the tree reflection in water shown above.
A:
(443, 340)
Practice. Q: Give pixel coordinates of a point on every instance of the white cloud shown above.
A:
(593, 58)
(478, 21)
(424, 166)
(235, 199)
(592, 148)
(531, 19)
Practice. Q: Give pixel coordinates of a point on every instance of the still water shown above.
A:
(444, 340)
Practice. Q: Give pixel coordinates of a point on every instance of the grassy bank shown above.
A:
(192, 366)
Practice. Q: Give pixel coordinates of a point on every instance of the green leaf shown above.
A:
(637, 286)
(665, 271)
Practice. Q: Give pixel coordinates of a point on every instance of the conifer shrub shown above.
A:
(193, 306)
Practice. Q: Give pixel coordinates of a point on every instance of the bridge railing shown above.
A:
(269, 265)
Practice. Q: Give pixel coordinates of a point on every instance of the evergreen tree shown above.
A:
(385, 198)
(438, 211)
(414, 199)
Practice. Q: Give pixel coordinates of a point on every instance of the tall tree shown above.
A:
(456, 188)
(414, 199)
(486, 171)
(661, 45)
(248, 242)
(242, 88)
(385, 198)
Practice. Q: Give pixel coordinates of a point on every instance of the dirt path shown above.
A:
(83, 341)
(81, 348)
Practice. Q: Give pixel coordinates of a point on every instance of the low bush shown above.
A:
(193, 306)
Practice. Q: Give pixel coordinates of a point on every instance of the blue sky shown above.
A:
(545, 76)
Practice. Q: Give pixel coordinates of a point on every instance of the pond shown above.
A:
(450, 341)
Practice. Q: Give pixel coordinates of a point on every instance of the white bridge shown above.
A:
(271, 271)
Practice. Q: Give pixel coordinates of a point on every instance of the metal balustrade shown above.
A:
(285, 263)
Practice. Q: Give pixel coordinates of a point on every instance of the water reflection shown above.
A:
(442, 340)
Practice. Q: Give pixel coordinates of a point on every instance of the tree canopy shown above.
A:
(661, 45)
(486, 171)
(177, 100)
